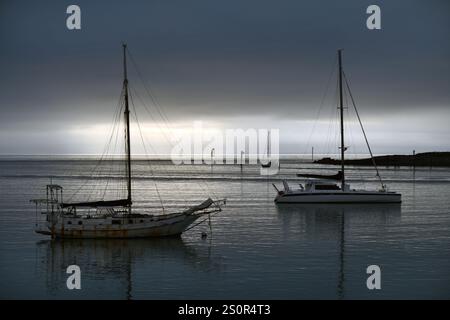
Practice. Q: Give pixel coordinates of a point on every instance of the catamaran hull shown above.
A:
(342, 197)
(173, 226)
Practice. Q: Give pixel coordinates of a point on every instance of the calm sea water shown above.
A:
(257, 249)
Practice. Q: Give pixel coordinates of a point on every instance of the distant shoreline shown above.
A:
(426, 159)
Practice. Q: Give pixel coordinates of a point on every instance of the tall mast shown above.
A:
(341, 107)
(127, 125)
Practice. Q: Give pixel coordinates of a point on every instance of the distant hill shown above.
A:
(426, 159)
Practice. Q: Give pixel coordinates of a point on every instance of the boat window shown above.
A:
(69, 222)
(142, 221)
(80, 222)
(130, 221)
(116, 222)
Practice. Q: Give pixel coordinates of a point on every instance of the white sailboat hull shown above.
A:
(103, 228)
(339, 197)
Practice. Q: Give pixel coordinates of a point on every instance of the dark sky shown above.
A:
(230, 64)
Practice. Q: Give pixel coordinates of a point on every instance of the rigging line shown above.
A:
(121, 165)
(117, 162)
(350, 139)
(112, 165)
(204, 188)
(116, 168)
(125, 157)
(353, 142)
(163, 116)
(362, 128)
(331, 129)
(328, 140)
(150, 145)
(147, 108)
(162, 167)
(101, 173)
(103, 153)
(158, 108)
(166, 121)
(333, 140)
(336, 124)
(145, 150)
(321, 103)
(167, 125)
(168, 139)
(347, 123)
(163, 130)
(105, 146)
(150, 94)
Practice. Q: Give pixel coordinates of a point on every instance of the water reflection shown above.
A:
(335, 221)
(116, 261)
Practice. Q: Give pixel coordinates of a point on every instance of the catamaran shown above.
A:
(115, 218)
(320, 189)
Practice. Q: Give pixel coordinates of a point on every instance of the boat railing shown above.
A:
(207, 207)
(220, 202)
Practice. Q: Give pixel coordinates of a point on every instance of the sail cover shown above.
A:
(95, 204)
(337, 176)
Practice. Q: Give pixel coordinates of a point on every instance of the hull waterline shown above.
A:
(339, 197)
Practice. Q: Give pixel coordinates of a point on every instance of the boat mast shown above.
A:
(341, 107)
(127, 125)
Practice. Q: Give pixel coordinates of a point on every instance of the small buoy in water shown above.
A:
(204, 235)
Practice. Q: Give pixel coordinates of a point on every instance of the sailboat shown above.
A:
(114, 218)
(321, 190)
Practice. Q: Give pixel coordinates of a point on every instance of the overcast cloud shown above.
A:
(228, 63)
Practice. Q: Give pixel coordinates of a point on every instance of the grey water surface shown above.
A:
(257, 249)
